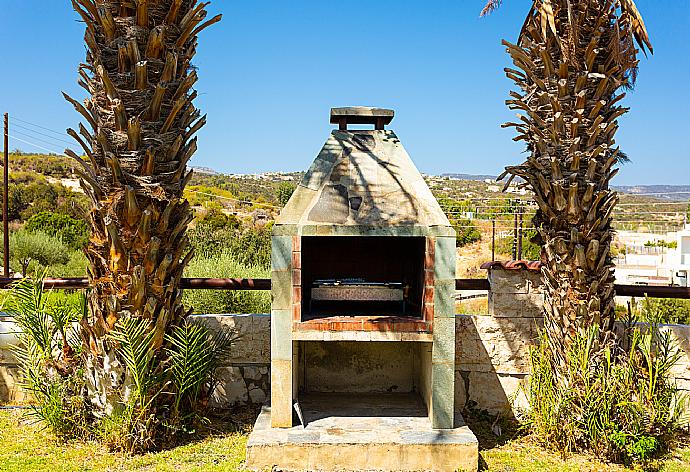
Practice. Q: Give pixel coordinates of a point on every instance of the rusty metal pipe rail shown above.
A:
(191, 284)
(652, 291)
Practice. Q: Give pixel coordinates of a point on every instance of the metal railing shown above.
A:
(651, 291)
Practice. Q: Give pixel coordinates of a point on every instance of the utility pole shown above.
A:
(515, 236)
(5, 201)
(519, 247)
(493, 240)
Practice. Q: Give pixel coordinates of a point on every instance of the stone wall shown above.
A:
(491, 350)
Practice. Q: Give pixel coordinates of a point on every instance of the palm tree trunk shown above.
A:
(137, 138)
(572, 60)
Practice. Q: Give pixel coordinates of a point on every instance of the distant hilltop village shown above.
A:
(663, 192)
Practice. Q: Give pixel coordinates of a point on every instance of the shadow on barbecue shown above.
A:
(364, 410)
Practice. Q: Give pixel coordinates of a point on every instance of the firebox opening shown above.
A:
(362, 276)
(355, 379)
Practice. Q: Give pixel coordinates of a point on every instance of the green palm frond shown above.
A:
(195, 353)
(136, 349)
(27, 306)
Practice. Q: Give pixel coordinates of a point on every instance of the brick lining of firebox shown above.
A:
(398, 324)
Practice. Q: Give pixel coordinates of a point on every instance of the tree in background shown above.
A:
(71, 231)
(38, 248)
(466, 232)
(573, 60)
(285, 190)
(137, 138)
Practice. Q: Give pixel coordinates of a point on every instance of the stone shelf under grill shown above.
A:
(362, 432)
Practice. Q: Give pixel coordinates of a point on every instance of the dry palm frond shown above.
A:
(490, 6)
(142, 118)
(571, 61)
(637, 24)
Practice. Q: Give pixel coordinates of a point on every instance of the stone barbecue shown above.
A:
(362, 252)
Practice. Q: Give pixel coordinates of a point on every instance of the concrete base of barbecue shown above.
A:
(389, 432)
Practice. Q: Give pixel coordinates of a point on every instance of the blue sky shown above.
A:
(271, 70)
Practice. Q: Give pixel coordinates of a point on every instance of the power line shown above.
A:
(36, 145)
(42, 140)
(235, 199)
(61, 133)
(42, 134)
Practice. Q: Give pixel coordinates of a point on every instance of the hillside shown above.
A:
(45, 182)
(662, 192)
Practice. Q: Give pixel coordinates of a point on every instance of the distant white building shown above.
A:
(679, 258)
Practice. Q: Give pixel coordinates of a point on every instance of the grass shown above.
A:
(26, 447)
(514, 451)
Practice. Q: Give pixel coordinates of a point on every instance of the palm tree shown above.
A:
(137, 139)
(573, 60)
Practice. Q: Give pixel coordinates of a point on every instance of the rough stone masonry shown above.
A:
(490, 362)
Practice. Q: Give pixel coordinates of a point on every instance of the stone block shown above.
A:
(252, 332)
(281, 335)
(284, 230)
(231, 388)
(281, 252)
(257, 396)
(496, 392)
(281, 290)
(307, 230)
(10, 391)
(319, 171)
(445, 258)
(326, 230)
(444, 340)
(261, 339)
(501, 344)
(444, 299)
(382, 443)
(471, 351)
(442, 231)
(442, 411)
(281, 393)
(464, 326)
(515, 281)
(461, 382)
(362, 367)
(516, 305)
(251, 373)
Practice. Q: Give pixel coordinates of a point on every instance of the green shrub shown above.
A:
(466, 232)
(250, 246)
(214, 219)
(666, 310)
(165, 389)
(666, 244)
(223, 301)
(30, 194)
(74, 267)
(73, 232)
(285, 191)
(33, 252)
(48, 356)
(618, 403)
(530, 250)
(253, 247)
